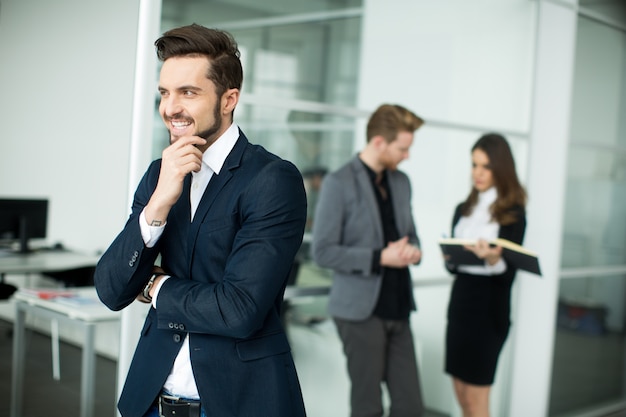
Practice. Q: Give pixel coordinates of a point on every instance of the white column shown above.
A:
(140, 150)
(534, 318)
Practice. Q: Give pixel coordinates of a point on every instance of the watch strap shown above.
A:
(146, 290)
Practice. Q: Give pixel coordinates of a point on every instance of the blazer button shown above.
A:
(176, 338)
(181, 326)
(170, 325)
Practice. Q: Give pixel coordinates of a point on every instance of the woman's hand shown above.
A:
(482, 249)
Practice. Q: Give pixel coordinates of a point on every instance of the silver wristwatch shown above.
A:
(146, 290)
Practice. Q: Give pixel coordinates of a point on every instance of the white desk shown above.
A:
(84, 316)
(44, 261)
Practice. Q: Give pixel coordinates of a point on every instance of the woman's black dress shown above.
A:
(478, 315)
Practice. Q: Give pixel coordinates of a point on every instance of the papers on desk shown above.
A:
(78, 300)
(46, 293)
(73, 298)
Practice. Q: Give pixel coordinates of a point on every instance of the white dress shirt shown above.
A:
(480, 225)
(181, 382)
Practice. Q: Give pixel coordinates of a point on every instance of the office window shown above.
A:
(589, 370)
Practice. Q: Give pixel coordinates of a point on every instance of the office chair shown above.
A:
(6, 290)
(78, 277)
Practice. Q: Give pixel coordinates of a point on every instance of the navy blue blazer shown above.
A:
(229, 269)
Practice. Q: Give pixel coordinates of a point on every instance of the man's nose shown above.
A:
(171, 106)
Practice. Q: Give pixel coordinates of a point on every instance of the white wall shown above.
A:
(66, 76)
(67, 85)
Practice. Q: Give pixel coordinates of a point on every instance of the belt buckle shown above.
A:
(169, 397)
(173, 406)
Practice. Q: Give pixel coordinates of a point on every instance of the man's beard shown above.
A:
(389, 164)
(209, 132)
(217, 124)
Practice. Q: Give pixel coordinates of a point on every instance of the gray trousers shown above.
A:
(380, 351)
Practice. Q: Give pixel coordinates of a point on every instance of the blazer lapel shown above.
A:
(399, 202)
(182, 209)
(365, 185)
(216, 184)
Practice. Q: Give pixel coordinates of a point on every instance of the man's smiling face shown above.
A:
(189, 105)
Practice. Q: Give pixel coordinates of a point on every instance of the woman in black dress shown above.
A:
(479, 309)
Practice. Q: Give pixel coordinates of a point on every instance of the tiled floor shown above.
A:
(590, 370)
(45, 397)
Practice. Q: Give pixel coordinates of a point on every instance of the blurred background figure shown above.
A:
(479, 309)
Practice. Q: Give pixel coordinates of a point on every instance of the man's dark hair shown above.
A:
(219, 46)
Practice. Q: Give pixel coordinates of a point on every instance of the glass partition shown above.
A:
(595, 214)
(589, 368)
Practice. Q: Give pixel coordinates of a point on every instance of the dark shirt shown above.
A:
(394, 301)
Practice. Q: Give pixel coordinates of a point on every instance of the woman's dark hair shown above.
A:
(219, 46)
(511, 194)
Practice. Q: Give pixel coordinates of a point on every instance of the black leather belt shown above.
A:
(170, 406)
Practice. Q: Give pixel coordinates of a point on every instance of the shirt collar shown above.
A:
(371, 173)
(216, 154)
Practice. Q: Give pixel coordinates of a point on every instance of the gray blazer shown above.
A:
(347, 230)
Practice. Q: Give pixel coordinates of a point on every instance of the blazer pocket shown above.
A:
(217, 224)
(262, 347)
(218, 234)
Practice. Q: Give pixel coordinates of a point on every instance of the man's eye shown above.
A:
(188, 93)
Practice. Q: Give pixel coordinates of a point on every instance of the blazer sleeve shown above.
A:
(337, 244)
(126, 266)
(515, 231)
(452, 268)
(404, 208)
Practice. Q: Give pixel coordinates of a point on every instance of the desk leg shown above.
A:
(17, 378)
(56, 357)
(87, 381)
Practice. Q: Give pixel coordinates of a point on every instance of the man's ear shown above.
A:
(378, 141)
(230, 98)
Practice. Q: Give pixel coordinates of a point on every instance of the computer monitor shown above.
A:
(23, 219)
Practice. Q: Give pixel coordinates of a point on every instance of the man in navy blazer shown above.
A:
(364, 232)
(226, 219)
